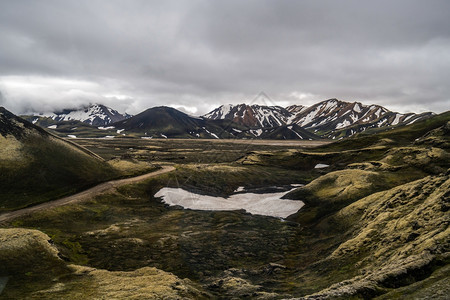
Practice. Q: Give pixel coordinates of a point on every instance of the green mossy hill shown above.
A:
(24, 252)
(167, 121)
(396, 238)
(333, 191)
(330, 192)
(33, 268)
(36, 166)
(301, 160)
(438, 137)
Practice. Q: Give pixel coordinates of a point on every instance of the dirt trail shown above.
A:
(84, 195)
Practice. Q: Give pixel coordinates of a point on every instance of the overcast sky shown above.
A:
(197, 55)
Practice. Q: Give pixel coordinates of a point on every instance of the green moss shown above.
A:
(77, 254)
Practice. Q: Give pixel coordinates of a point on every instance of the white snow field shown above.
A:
(269, 204)
(321, 166)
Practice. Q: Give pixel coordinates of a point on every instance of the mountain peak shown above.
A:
(94, 114)
(254, 116)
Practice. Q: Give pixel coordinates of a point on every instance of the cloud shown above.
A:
(198, 54)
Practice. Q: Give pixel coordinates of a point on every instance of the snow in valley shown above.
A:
(269, 204)
(321, 166)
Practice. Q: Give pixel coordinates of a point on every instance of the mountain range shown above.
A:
(330, 119)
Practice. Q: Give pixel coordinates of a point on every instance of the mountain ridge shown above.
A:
(329, 118)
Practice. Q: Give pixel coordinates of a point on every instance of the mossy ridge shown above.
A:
(35, 270)
(399, 168)
(436, 286)
(390, 239)
(306, 160)
(43, 167)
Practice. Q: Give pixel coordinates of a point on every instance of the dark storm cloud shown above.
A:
(199, 54)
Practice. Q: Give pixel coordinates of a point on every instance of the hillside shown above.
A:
(287, 132)
(167, 122)
(36, 166)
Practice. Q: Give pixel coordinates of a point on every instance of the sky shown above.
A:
(196, 55)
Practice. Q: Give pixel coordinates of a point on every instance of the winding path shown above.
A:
(84, 195)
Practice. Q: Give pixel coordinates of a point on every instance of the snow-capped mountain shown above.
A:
(388, 119)
(254, 116)
(334, 114)
(95, 114)
(331, 118)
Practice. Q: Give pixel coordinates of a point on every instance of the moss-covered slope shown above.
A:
(36, 166)
(392, 239)
(34, 270)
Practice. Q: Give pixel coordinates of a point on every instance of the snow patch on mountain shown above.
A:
(95, 114)
(397, 119)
